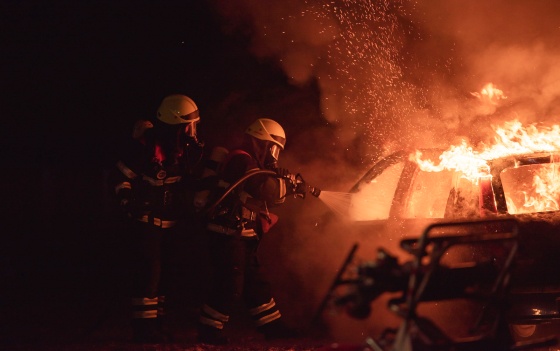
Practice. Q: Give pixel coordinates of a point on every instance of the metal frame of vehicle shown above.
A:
(535, 291)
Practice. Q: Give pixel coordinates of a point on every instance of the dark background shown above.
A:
(74, 77)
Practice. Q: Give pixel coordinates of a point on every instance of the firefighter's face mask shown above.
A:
(190, 129)
(186, 135)
(271, 161)
(275, 151)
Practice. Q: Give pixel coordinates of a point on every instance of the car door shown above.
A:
(395, 199)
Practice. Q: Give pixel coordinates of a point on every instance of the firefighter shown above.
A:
(152, 179)
(234, 228)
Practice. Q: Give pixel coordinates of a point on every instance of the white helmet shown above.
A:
(268, 130)
(178, 109)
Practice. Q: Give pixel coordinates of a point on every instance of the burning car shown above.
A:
(408, 191)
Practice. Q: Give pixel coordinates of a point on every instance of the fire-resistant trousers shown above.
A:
(235, 273)
(151, 259)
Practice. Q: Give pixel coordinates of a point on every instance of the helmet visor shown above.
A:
(190, 129)
(275, 151)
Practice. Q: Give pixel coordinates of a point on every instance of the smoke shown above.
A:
(394, 74)
(400, 73)
(512, 44)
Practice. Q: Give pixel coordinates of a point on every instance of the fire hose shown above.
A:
(297, 179)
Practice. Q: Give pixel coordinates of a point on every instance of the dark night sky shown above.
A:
(76, 74)
(74, 77)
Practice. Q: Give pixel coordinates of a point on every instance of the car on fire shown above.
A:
(399, 198)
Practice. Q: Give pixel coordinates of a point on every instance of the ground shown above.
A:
(73, 296)
(68, 331)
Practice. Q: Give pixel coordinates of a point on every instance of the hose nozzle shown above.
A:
(314, 191)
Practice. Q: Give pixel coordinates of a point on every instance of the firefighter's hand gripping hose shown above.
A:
(301, 188)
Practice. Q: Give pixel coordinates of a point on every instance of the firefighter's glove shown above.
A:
(289, 177)
(301, 188)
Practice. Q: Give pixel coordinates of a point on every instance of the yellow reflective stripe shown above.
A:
(171, 180)
(152, 181)
(160, 182)
(126, 171)
(248, 233)
(268, 318)
(123, 185)
(281, 188)
(211, 322)
(264, 307)
(213, 227)
(144, 301)
(215, 314)
(158, 222)
(145, 314)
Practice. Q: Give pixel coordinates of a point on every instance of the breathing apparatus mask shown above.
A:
(187, 136)
(265, 153)
(271, 157)
(268, 139)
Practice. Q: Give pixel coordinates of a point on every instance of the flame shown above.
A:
(490, 93)
(457, 158)
(511, 139)
(541, 193)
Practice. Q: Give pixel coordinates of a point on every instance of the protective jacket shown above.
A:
(154, 187)
(152, 181)
(233, 230)
(245, 211)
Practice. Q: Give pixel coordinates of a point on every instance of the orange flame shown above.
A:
(540, 193)
(490, 93)
(511, 139)
(543, 195)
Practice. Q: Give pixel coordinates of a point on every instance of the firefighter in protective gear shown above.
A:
(233, 231)
(152, 179)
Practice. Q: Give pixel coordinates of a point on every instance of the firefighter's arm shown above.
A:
(294, 183)
(274, 190)
(125, 178)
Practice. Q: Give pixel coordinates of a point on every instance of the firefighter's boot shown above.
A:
(210, 326)
(146, 326)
